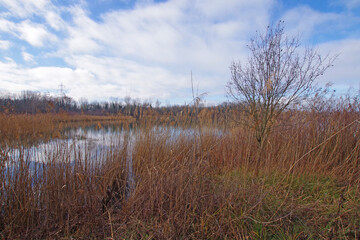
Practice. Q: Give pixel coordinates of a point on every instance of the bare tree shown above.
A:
(276, 76)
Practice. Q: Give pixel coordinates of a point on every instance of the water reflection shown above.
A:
(89, 140)
(93, 144)
(92, 140)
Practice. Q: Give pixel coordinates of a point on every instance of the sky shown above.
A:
(148, 49)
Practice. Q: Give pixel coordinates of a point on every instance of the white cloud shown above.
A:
(34, 34)
(314, 23)
(148, 51)
(155, 45)
(6, 26)
(348, 4)
(4, 44)
(118, 77)
(346, 70)
(25, 8)
(54, 20)
(12, 78)
(81, 38)
(93, 79)
(181, 32)
(15, 78)
(28, 57)
(351, 4)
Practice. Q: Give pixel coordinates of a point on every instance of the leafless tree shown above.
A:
(276, 75)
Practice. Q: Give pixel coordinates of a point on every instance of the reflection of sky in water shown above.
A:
(93, 142)
(90, 142)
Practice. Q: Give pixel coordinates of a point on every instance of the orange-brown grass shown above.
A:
(27, 129)
(23, 128)
(197, 184)
(63, 196)
(92, 118)
(207, 186)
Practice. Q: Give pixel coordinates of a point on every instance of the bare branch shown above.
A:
(276, 76)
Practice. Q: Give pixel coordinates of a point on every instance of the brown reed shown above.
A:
(191, 183)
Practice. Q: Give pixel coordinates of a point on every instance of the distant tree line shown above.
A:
(30, 102)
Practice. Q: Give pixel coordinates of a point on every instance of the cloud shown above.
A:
(346, 70)
(339, 35)
(54, 20)
(348, 4)
(156, 46)
(28, 57)
(12, 78)
(7, 26)
(28, 9)
(22, 9)
(34, 34)
(314, 23)
(179, 32)
(93, 79)
(82, 35)
(320, 26)
(161, 32)
(25, 8)
(4, 44)
(352, 4)
(118, 77)
(148, 50)
(15, 78)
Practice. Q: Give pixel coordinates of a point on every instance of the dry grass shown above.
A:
(28, 129)
(200, 184)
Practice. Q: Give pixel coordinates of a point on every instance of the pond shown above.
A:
(91, 146)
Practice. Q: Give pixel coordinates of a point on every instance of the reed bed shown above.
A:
(192, 183)
(28, 129)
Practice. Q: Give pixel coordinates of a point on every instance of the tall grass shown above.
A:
(28, 129)
(193, 184)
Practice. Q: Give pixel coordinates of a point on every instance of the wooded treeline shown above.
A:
(30, 102)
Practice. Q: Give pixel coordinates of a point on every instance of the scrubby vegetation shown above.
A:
(198, 184)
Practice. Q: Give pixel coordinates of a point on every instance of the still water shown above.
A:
(90, 141)
(92, 144)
